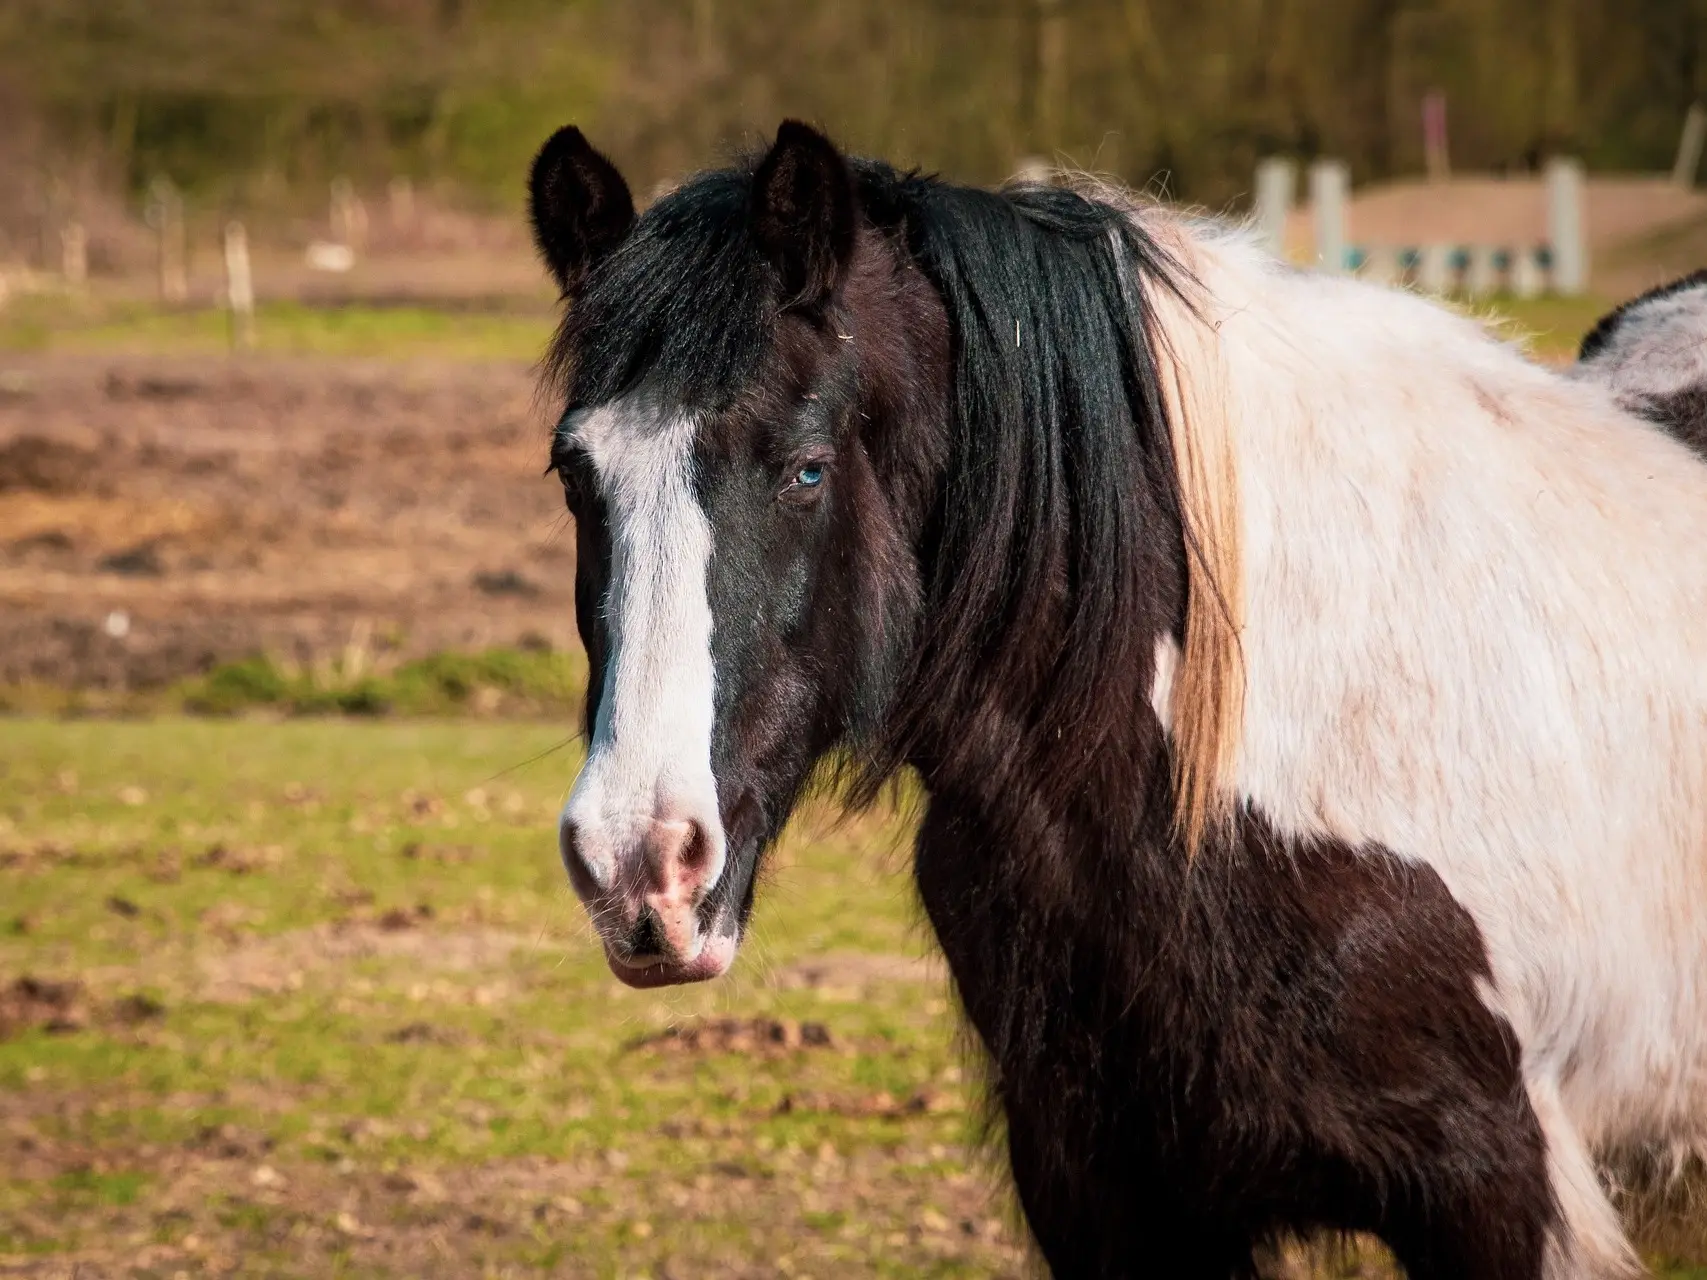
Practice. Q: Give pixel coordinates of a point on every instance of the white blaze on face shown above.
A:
(650, 757)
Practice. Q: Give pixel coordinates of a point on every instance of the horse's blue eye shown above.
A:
(809, 477)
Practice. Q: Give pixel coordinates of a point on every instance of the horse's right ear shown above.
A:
(580, 206)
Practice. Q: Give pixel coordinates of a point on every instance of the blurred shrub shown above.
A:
(494, 681)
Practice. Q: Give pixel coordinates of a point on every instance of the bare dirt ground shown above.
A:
(158, 516)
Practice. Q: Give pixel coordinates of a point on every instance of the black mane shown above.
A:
(1061, 503)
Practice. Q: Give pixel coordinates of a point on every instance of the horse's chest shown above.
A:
(1282, 1005)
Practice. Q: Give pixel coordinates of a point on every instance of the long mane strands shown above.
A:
(1066, 486)
(1206, 700)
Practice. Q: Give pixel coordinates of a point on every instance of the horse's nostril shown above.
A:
(647, 939)
(696, 852)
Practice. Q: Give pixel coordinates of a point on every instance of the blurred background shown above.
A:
(251, 104)
(290, 979)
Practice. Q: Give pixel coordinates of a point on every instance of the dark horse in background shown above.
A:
(1309, 691)
(1652, 352)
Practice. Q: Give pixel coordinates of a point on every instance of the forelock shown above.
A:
(682, 308)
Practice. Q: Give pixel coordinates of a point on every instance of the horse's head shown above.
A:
(740, 365)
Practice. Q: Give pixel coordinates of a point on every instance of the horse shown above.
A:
(1307, 692)
(1653, 351)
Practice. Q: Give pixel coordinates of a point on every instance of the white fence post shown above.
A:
(1565, 230)
(1434, 269)
(1276, 179)
(239, 287)
(1481, 273)
(1526, 280)
(1381, 265)
(1329, 180)
(1689, 146)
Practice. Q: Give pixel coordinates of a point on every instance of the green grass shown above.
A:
(1554, 327)
(372, 974)
(441, 684)
(281, 328)
(517, 682)
(377, 1038)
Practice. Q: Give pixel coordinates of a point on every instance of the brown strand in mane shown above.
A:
(1208, 690)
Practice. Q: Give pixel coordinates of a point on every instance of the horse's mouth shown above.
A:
(716, 953)
(644, 955)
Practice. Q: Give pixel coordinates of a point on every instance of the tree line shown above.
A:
(269, 96)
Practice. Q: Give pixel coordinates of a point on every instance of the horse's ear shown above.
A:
(804, 213)
(580, 206)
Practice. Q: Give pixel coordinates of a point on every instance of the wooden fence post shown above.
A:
(1689, 146)
(1436, 157)
(74, 254)
(348, 215)
(239, 287)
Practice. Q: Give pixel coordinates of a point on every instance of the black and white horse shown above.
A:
(1652, 351)
(1310, 692)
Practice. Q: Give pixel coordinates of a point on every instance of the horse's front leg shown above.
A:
(1090, 1222)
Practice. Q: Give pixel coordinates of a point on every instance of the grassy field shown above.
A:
(1551, 328)
(336, 1012)
(516, 683)
(57, 324)
(311, 997)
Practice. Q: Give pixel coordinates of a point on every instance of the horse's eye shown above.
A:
(803, 485)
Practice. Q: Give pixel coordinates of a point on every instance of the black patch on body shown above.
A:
(1189, 1057)
(1192, 1060)
(1682, 414)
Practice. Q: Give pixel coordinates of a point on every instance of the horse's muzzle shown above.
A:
(648, 902)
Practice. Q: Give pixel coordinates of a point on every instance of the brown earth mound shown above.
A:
(158, 517)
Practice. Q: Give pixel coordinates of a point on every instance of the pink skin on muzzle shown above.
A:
(644, 897)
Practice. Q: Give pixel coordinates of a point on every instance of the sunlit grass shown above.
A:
(514, 682)
(373, 1015)
(1551, 328)
(1554, 327)
(281, 328)
(223, 868)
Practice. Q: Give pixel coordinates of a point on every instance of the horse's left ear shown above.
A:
(804, 213)
(580, 206)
